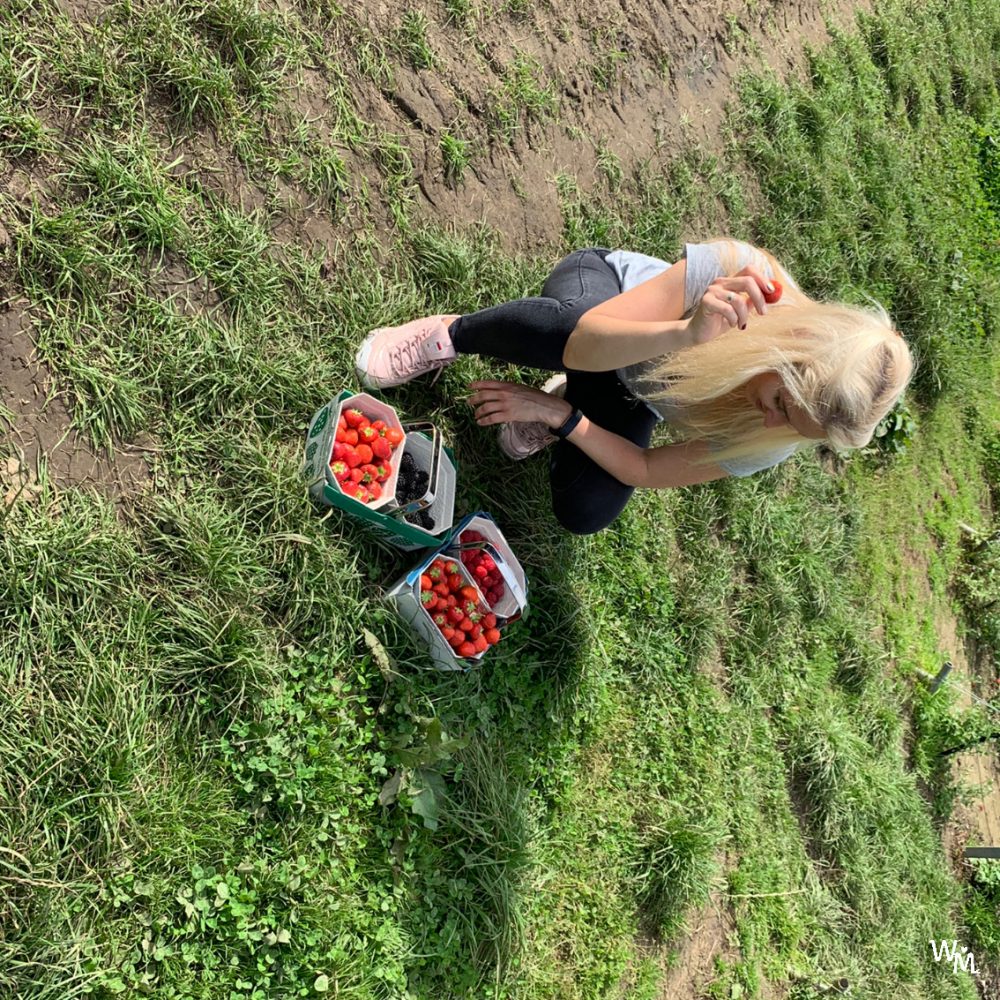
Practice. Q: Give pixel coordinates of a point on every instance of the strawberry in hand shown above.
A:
(771, 297)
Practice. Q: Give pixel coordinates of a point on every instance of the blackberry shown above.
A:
(423, 519)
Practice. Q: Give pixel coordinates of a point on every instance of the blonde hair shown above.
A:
(845, 366)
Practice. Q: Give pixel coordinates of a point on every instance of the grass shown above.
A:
(715, 701)
(522, 97)
(413, 40)
(456, 155)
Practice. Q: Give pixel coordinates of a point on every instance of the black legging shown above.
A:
(533, 332)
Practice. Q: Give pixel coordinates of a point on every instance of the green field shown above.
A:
(718, 698)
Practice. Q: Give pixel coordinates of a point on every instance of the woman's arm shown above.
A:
(652, 468)
(636, 325)
(668, 465)
(645, 322)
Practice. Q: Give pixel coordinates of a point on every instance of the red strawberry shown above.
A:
(440, 588)
(341, 423)
(365, 452)
(447, 632)
(353, 417)
(351, 436)
(339, 470)
(457, 638)
(393, 435)
(455, 615)
(384, 471)
(476, 631)
(489, 621)
(370, 473)
(465, 624)
(451, 567)
(456, 581)
(356, 475)
(469, 593)
(481, 645)
(341, 436)
(440, 619)
(470, 608)
(492, 635)
(375, 490)
(428, 599)
(367, 435)
(771, 297)
(467, 649)
(357, 491)
(378, 426)
(451, 600)
(380, 447)
(352, 459)
(425, 582)
(434, 572)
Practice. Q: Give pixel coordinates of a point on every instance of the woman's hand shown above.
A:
(503, 402)
(727, 304)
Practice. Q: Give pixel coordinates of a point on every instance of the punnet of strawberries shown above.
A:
(361, 460)
(483, 568)
(457, 609)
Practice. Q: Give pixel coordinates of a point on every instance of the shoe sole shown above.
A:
(361, 362)
(555, 382)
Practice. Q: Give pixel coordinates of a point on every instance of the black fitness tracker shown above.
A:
(568, 425)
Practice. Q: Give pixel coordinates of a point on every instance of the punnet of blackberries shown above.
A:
(411, 484)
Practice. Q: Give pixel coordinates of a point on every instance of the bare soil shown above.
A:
(639, 77)
(42, 442)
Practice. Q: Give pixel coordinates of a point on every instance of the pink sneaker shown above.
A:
(393, 355)
(519, 439)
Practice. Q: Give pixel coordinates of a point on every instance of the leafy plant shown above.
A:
(978, 587)
(895, 431)
(982, 909)
(419, 781)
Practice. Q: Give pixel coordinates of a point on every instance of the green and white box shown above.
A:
(384, 516)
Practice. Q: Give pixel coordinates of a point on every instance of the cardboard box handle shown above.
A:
(505, 571)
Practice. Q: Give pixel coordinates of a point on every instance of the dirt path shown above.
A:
(975, 823)
(633, 79)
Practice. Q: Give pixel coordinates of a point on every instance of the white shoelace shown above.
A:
(415, 361)
(401, 367)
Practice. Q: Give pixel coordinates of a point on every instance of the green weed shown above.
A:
(413, 40)
(456, 156)
(521, 98)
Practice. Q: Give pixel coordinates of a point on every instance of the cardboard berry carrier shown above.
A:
(387, 519)
(404, 594)
(384, 516)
